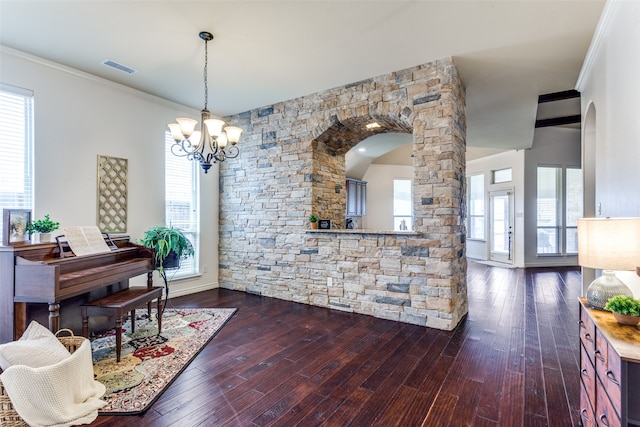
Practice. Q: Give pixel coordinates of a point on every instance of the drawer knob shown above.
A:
(603, 420)
(612, 378)
(584, 413)
(598, 354)
(584, 373)
(588, 337)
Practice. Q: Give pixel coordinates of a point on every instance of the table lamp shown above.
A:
(608, 244)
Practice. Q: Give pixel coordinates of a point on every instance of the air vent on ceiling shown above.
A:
(120, 67)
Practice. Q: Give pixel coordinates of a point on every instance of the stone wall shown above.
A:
(292, 165)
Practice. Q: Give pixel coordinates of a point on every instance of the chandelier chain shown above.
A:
(206, 86)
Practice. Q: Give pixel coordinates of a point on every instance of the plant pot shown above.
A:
(625, 319)
(171, 261)
(44, 237)
(314, 225)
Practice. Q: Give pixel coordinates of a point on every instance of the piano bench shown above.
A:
(118, 305)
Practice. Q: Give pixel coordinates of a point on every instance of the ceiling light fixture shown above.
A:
(372, 126)
(212, 146)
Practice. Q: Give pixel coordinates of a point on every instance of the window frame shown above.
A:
(470, 209)
(397, 218)
(560, 230)
(191, 228)
(12, 136)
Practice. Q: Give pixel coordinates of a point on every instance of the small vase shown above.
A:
(625, 319)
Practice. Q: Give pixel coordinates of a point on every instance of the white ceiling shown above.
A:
(507, 51)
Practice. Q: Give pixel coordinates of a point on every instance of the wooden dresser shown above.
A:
(609, 370)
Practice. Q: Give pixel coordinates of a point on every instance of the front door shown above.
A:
(501, 226)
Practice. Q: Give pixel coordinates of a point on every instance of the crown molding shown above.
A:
(596, 43)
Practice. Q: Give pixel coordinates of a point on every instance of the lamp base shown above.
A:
(605, 287)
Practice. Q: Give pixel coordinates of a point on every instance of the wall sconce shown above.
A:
(608, 244)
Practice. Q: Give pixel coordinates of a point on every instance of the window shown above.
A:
(402, 206)
(475, 217)
(559, 206)
(574, 208)
(501, 175)
(16, 146)
(181, 202)
(549, 198)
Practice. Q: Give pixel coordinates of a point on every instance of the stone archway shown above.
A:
(330, 148)
(292, 164)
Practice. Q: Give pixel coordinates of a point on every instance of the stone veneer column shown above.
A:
(292, 164)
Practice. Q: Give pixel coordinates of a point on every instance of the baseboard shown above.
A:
(179, 292)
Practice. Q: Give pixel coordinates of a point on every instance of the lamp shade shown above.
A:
(609, 243)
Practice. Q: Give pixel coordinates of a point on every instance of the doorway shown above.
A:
(501, 226)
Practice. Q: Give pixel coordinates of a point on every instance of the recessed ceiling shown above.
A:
(507, 51)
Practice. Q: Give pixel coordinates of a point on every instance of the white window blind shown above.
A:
(181, 203)
(16, 148)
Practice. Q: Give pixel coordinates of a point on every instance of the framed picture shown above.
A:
(14, 226)
(324, 224)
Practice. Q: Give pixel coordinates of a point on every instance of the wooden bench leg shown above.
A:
(133, 320)
(118, 337)
(85, 322)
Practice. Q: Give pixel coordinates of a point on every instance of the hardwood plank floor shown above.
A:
(513, 361)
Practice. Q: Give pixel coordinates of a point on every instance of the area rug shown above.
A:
(150, 362)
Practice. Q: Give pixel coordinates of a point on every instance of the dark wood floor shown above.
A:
(512, 362)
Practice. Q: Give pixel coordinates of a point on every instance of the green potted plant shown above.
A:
(625, 309)
(314, 221)
(43, 226)
(169, 245)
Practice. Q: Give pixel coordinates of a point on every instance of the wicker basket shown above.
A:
(8, 415)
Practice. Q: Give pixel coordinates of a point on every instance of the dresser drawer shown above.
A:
(587, 332)
(609, 370)
(586, 408)
(605, 414)
(588, 376)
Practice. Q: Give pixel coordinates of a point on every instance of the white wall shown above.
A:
(609, 81)
(379, 179)
(77, 117)
(477, 249)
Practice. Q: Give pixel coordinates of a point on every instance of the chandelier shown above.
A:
(210, 144)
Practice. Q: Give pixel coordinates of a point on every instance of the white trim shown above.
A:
(182, 291)
(596, 43)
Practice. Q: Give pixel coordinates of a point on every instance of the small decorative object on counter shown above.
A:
(314, 221)
(324, 224)
(625, 309)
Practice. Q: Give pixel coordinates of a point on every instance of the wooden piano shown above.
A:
(32, 275)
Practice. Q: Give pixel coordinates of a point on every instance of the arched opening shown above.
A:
(385, 163)
(334, 149)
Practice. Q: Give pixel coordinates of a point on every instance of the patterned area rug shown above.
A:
(150, 362)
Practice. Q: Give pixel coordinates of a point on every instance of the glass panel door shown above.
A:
(501, 224)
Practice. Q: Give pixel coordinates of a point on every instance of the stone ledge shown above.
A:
(363, 231)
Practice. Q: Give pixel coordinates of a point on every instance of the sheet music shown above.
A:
(85, 240)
